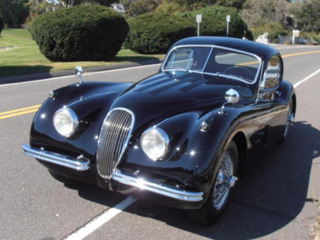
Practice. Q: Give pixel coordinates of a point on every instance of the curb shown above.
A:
(38, 76)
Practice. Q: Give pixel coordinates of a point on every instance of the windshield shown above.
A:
(214, 61)
(188, 58)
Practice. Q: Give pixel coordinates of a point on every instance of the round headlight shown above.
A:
(154, 143)
(65, 121)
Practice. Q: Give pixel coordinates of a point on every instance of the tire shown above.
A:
(219, 197)
(63, 179)
(288, 125)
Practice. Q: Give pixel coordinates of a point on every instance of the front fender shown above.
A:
(90, 102)
(192, 156)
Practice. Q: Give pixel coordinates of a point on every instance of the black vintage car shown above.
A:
(179, 137)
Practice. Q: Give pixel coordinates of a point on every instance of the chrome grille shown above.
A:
(113, 140)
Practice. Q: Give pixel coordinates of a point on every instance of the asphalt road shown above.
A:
(275, 200)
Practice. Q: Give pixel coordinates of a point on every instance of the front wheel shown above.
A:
(220, 192)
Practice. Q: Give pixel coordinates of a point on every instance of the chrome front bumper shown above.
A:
(82, 164)
(167, 191)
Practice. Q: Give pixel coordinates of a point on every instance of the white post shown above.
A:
(295, 33)
(198, 20)
(228, 20)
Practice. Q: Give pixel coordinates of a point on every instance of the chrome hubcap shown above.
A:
(225, 180)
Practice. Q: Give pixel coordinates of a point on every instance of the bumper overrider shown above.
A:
(82, 164)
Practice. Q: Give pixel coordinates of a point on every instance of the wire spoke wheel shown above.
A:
(219, 195)
(223, 181)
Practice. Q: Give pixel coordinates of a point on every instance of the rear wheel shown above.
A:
(63, 179)
(290, 116)
(220, 192)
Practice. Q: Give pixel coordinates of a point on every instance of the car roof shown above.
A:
(262, 50)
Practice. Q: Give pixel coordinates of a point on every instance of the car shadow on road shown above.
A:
(270, 196)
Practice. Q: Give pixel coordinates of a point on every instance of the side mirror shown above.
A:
(232, 96)
(79, 72)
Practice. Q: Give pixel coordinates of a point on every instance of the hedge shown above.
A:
(80, 33)
(274, 30)
(156, 32)
(214, 21)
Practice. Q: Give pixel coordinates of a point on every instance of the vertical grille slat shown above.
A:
(113, 139)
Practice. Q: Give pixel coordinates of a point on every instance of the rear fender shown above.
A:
(285, 92)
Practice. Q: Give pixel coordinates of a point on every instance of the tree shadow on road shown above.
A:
(7, 71)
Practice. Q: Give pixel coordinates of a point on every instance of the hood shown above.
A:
(165, 94)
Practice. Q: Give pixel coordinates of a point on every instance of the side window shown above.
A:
(272, 74)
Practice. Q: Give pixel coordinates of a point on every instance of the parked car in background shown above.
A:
(180, 137)
(302, 40)
(307, 41)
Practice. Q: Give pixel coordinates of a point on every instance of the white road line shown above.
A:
(306, 79)
(106, 216)
(85, 74)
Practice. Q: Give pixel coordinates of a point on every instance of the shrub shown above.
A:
(274, 30)
(1, 24)
(214, 21)
(156, 32)
(80, 33)
(313, 36)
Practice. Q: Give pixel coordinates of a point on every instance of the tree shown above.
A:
(238, 4)
(169, 7)
(1, 24)
(38, 7)
(141, 7)
(14, 12)
(196, 4)
(306, 15)
(260, 12)
(126, 3)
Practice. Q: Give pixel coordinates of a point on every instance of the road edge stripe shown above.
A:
(99, 221)
(306, 79)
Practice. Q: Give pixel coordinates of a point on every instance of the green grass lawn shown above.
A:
(19, 55)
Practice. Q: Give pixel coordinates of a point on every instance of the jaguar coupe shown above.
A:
(180, 137)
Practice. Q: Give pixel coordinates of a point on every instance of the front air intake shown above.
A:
(113, 140)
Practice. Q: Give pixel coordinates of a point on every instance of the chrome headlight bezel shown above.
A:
(68, 119)
(158, 135)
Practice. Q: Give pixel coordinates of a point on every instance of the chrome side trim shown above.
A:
(79, 164)
(167, 191)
